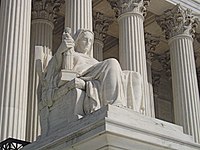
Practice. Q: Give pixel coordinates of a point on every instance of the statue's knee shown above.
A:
(112, 62)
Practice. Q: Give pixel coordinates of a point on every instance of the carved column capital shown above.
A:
(150, 44)
(45, 9)
(101, 24)
(129, 6)
(177, 21)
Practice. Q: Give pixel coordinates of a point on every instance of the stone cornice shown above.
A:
(45, 9)
(177, 21)
(101, 24)
(194, 5)
(129, 6)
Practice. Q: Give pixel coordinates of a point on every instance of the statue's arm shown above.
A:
(66, 46)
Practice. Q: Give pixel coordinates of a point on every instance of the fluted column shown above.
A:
(98, 49)
(132, 56)
(78, 15)
(178, 25)
(156, 83)
(150, 44)
(43, 16)
(14, 63)
(151, 98)
(101, 24)
(197, 57)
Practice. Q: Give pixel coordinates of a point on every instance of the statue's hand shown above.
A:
(67, 42)
(79, 83)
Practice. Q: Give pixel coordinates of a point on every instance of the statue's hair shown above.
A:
(77, 37)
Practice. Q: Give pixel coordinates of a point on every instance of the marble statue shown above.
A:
(101, 82)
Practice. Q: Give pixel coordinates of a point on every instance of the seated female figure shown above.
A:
(105, 82)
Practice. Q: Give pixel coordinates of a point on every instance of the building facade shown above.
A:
(160, 39)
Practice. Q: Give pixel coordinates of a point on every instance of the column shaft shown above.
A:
(14, 63)
(41, 35)
(185, 88)
(98, 50)
(101, 24)
(149, 73)
(132, 50)
(78, 14)
(179, 26)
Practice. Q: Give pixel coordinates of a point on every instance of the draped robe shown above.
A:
(106, 83)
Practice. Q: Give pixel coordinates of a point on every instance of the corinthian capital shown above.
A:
(177, 21)
(101, 24)
(45, 9)
(150, 44)
(124, 6)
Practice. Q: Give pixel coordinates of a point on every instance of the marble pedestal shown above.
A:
(114, 128)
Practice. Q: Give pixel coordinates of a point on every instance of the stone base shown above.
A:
(114, 128)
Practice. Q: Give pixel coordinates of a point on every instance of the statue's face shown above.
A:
(85, 42)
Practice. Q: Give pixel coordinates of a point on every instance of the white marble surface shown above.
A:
(15, 23)
(116, 128)
(131, 44)
(81, 19)
(41, 35)
(179, 32)
(98, 49)
(185, 88)
(89, 85)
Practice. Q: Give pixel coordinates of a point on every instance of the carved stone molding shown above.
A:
(177, 21)
(101, 24)
(45, 9)
(125, 6)
(150, 45)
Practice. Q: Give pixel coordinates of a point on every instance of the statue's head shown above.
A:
(84, 41)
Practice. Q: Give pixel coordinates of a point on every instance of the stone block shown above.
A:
(114, 128)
